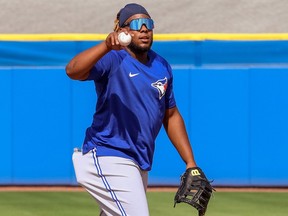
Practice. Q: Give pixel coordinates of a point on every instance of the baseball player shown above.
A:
(134, 87)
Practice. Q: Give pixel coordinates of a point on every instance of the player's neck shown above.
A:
(140, 56)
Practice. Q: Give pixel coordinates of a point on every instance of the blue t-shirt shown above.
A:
(132, 99)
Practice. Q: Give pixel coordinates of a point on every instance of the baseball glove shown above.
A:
(194, 189)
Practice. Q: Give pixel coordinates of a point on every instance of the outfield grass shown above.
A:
(160, 203)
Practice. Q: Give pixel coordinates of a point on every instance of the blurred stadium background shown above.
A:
(231, 88)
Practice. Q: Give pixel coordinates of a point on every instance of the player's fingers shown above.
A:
(112, 41)
(115, 38)
(108, 41)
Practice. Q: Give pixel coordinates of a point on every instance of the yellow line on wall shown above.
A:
(157, 37)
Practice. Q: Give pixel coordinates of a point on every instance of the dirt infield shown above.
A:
(150, 189)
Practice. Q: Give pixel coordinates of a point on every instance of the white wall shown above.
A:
(171, 16)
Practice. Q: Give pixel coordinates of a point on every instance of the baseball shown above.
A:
(124, 39)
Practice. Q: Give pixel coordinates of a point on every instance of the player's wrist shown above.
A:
(191, 165)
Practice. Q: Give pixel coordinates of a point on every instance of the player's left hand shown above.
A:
(194, 189)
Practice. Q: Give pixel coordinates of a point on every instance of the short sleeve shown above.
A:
(102, 68)
(169, 96)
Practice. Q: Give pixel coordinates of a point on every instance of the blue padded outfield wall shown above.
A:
(233, 96)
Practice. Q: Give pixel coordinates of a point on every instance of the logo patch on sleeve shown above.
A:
(161, 85)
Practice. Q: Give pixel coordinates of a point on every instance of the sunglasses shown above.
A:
(136, 24)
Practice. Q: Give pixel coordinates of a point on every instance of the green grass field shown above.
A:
(160, 203)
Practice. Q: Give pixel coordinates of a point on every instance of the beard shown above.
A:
(138, 49)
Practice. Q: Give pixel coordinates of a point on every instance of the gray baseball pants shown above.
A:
(117, 184)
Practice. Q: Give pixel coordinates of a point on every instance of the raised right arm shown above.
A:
(79, 67)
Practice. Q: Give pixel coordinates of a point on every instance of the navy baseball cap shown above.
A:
(130, 10)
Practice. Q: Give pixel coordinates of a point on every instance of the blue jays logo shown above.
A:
(161, 85)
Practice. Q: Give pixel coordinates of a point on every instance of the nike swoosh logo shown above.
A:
(133, 75)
